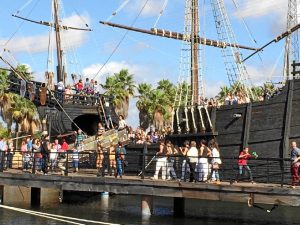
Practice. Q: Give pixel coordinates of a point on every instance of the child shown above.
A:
(243, 163)
(75, 157)
(26, 160)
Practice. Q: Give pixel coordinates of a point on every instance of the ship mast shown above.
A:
(57, 28)
(291, 42)
(59, 51)
(194, 52)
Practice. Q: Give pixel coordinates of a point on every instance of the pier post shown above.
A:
(1, 194)
(147, 205)
(35, 196)
(178, 207)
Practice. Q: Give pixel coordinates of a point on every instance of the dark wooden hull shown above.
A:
(266, 127)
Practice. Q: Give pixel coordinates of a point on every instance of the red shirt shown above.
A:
(79, 86)
(64, 146)
(243, 158)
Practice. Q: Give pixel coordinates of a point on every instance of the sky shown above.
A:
(149, 58)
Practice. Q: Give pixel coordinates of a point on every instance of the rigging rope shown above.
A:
(54, 216)
(19, 27)
(118, 10)
(161, 12)
(122, 39)
(25, 79)
(252, 38)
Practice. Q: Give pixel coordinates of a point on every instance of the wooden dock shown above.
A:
(243, 192)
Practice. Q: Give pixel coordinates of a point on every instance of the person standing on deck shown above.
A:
(215, 161)
(100, 151)
(185, 167)
(122, 123)
(193, 160)
(243, 164)
(120, 157)
(203, 168)
(171, 150)
(45, 149)
(161, 162)
(80, 137)
(295, 158)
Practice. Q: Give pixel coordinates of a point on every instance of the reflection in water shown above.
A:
(126, 210)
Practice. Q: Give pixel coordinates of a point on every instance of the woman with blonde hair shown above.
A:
(215, 161)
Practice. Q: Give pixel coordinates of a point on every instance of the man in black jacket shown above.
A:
(45, 146)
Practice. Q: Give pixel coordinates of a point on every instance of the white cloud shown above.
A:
(258, 76)
(259, 8)
(212, 88)
(140, 72)
(276, 9)
(152, 8)
(39, 43)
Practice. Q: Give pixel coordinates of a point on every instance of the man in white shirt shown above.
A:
(192, 155)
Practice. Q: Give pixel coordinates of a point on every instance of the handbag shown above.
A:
(125, 163)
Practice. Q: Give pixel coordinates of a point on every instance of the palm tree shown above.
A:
(223, 93)
(143, 104)
(15, 109)
(23, 70)
(25, 115)
(5, 100)
(159, 108)
(121, 86)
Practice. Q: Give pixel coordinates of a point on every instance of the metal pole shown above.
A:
(67, 163)
(2, 154)
(50, 122)
(145, 150)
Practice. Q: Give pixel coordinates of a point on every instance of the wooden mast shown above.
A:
(57, 27)
(194, 53)
(59, 51)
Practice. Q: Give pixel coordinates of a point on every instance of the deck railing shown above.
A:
(142, 165)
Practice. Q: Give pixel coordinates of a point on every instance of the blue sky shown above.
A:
(149, 58)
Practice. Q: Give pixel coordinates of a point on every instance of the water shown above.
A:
(123, 209)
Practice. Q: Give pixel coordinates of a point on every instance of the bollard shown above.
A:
(146, 205)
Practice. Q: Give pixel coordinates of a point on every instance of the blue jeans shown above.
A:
(75, 164)
(119, 167)
(247, 168)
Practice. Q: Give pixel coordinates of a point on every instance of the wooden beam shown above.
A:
(180, 36)
(247, 125)
(287, 121)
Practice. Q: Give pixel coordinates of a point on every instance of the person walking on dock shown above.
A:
(215, 161)
(120, 157)
(171, 150)
(161, 162)
(185, 167)
(203, 167)
(193, 160)
(45, 149)
(243, 164)
(295, 158)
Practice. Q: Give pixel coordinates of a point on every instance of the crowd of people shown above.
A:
(199, 163)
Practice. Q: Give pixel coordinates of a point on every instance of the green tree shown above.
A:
(143, 104)
(14, 108)
(121, 85)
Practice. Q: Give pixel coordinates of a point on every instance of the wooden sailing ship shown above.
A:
(265, 126)
(63, 114)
